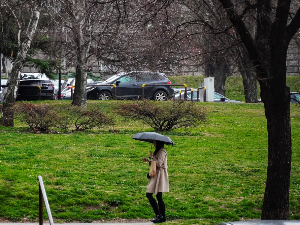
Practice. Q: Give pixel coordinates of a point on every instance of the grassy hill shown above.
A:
(217, 170)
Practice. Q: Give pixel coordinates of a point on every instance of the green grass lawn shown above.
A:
(217, 170)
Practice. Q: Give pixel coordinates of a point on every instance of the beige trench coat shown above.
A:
(160, 181)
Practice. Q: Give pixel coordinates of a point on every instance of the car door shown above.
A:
(127, 86)
(146, 78)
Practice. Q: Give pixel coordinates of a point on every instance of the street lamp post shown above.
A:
(0, 71)
(59, 84)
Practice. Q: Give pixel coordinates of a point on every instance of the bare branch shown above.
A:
(294, 25)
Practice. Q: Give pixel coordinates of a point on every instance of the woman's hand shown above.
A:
(145, 160)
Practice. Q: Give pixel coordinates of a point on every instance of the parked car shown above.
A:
(221, 98)
(295, 97)
(129, 86)
(262, 222)
(35, 89)
(66, 89)
(217, 97)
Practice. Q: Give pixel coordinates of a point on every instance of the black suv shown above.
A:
(35, 89)
(130, 86)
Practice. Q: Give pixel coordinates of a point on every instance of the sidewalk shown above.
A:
(129, 223)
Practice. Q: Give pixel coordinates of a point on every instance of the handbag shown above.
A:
(152, 171)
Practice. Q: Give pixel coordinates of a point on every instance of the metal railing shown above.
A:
(185, 87)
(95, 85)
(42, 195)
(31, 86)
(192, 94)
(185, 90)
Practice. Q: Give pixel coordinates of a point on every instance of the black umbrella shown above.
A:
(152, 136)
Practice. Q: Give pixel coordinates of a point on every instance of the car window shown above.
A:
(148, 77)
(127, 79)
(28, 82)
(297, 96)
(143, 77)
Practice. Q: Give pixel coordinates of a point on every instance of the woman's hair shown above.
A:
(159, 145)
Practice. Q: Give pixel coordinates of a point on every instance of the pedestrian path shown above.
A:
(104, 223)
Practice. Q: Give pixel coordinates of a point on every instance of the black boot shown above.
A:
(163, 219)
(157, 219)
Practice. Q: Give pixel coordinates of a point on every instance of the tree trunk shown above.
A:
(79, 98)
(247, 71)
(276, 198)
(9, 93)
(268, 54)
(276, 98)
(221, 73)
(219, 69)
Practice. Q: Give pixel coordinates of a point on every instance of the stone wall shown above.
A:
(293, 59)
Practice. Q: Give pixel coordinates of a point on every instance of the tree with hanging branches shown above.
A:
(23, 23)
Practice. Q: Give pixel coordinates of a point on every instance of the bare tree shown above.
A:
(89, 29)
(264, 29)
(276, 23)
(26, 30)
(221, 49)
(148, 40)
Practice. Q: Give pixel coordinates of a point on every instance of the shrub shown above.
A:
(88, 119)
(38, 117)
(81, 118)
(65, 118)
(164, 116)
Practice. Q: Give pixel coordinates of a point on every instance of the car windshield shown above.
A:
(112, 78)
(194, 94)
(297, 96)
(218, 96)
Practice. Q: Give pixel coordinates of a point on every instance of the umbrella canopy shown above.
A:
(152, 136)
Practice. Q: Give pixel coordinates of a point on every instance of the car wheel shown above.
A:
(160, 96)
(105, 95)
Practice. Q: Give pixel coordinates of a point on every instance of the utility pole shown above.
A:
(0, 71)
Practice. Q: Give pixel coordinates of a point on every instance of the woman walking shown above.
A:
(159, 183)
